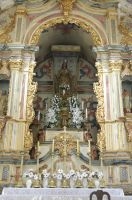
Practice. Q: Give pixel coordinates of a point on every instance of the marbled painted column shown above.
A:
(25, 71)
(13, 137)
(118, 134)
(116, 89)
(21, 92)
(112, 136)
(14, 89)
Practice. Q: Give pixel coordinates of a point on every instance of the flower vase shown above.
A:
(85, 182)
(72, 183)
(97, 183)
(28, 183)
(45, 182)
(58, 183)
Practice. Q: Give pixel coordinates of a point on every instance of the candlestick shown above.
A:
(53, 145)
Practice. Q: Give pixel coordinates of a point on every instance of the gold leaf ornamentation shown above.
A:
(87, 27)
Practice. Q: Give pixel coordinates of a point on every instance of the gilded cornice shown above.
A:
(88, 28)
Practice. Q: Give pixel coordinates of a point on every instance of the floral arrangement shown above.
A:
(45, 174)
(74, 177)
(30, 174)
(52, 113)
(96, 175)
(77, 115)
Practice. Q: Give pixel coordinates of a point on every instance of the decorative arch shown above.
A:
(98, 36)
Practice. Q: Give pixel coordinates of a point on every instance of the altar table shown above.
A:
(57, 193)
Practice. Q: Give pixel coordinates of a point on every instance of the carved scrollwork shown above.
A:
(87, 27)
(98, 89)
(126, 32)
(66, 5)
(28, 139)
(101, 138)
(7, 23)
(126, 69)
(4, 68)
(32, 87)
(2, 124)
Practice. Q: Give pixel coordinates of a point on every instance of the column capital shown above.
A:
(15, 64)
(115, 65)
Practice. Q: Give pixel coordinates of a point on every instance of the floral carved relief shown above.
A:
(98, 89)
(32, 87)
(101, 138)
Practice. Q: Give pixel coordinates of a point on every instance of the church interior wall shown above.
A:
(28, 85)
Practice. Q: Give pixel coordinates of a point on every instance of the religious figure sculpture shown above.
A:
(64, 81)
(126, 101)
(3, 102)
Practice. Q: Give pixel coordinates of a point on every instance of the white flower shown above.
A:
(96, 174)
(54, 175)
(36, 177)
(77, 115)
(45, 174)
(72, 172)
(67, 176)
(59, 176)
(60, 171)
(84, 175)
(31, 175)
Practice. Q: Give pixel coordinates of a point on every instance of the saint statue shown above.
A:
(126, 101)
(64, 81)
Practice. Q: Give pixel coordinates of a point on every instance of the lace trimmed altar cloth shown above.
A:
(57, 193)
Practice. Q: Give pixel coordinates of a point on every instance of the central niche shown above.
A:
(65, 79)
(65, 74)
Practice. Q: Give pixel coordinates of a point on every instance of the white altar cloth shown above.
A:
(57, 193)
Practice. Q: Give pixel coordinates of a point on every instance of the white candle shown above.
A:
(89, 145)
(77, 146)
(86, 113)
(38, 115)
(53, 144)
(65, 147)
(38, 146)
(110, 171)
(82, 105)
(64, 129)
